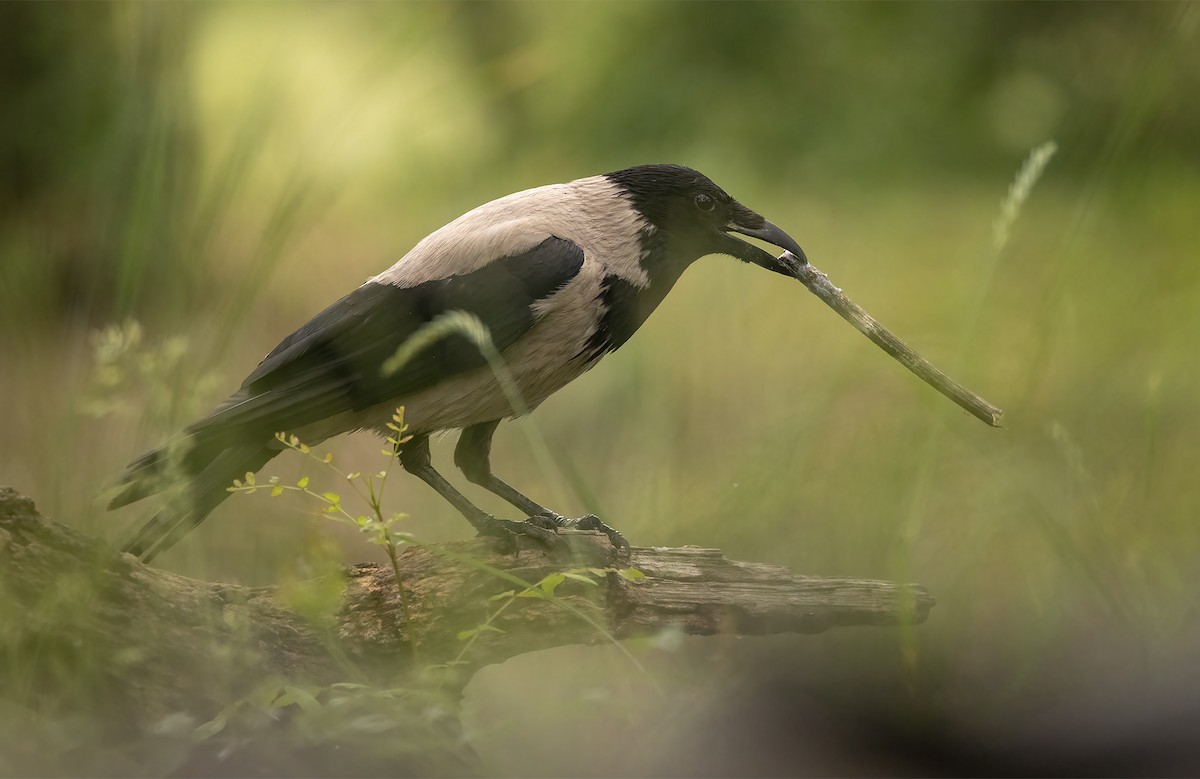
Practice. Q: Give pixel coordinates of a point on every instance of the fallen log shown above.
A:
(149, 644)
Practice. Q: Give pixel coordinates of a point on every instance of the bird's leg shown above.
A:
(414, 456)
(473, 456)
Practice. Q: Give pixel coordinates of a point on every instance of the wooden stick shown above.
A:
(820, 285)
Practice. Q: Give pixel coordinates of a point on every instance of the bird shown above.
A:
(561, 275)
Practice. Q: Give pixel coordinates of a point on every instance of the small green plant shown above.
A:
(369, 487)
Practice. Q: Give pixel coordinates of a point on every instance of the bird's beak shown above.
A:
(749, 223)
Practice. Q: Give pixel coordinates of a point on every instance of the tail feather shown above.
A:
(153, 472)
(159, 469)
(206, 490)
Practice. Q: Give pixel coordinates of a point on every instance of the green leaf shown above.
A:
(262, 698)
(303, 483)
(299, 696)
(332, 497)
(463, 635)
(277, 491)
(503, 595)
(549, 584)
(632, 574)
(328, 457)
(249, 477)
(350, 686)
(208, 729)
(576, 577)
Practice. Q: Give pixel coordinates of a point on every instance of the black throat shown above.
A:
(627, 304)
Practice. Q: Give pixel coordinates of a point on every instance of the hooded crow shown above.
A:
(561, 275)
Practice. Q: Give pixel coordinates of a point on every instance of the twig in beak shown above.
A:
(820, 285)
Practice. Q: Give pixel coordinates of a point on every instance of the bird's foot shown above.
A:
(544, 528)
(541, 528)
(591, 522)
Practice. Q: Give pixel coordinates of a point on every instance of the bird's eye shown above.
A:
(705, 202)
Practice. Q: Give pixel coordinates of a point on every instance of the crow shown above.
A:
(561, 275)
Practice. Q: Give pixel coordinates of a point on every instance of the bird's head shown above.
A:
(693, 217)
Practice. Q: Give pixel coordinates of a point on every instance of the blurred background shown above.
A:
(182, 185)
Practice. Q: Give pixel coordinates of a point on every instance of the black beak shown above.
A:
(749, 223)
(772, 234)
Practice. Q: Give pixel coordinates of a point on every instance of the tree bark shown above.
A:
(156, 643)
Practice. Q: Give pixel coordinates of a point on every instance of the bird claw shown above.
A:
(540, 528)
(593, 522)
(544, 528)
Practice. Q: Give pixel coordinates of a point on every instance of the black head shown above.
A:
(695, 217)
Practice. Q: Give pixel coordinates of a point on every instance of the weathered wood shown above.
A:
(162, 643)
(706, 593)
